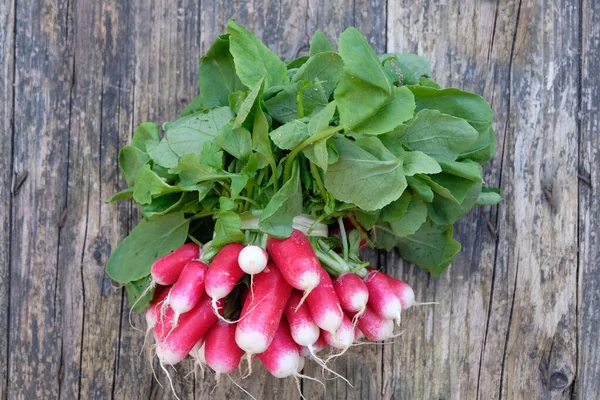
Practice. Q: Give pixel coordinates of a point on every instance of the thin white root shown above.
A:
(430, 303)
(249, 362)
(148, 331)
(297, 380)
(252, 286)
(216, 311)
(144, 293)
(357, 316)
(324, 367)
(310, 378)
(152, 355)
(162, 366)
(240, 387)
(304, 296)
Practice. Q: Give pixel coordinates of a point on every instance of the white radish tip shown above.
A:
(301, 363)
(306, 335)
(287, 365)
(251, 342)
(386, 331)
(167, 356)
(309, 280)
(359, 301)
(331, 321)
(252, 259)
(408, 298)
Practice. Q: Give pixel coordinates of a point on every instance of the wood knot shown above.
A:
(559, 380)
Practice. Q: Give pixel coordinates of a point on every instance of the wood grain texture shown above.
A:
(516, 314)
(588, 313)
(7, 30)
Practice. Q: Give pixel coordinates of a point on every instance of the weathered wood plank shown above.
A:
(43, 80)
(7, 30)
(588, 369)
(470, 345)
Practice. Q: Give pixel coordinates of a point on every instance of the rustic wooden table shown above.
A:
(518, 310)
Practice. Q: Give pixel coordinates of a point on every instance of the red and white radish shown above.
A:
(343, 337)
(173, 345)
(166, 270)
(324, 304)
(297, 261)
(253, 259)
(403, 290)
(382, 298)
(221, 351)
(304, 330)
(224, 272)
(375, 327)
(352, 292)
(262, 312)
(316, 347)
(281, 358)
(152, 313)
(188, 289)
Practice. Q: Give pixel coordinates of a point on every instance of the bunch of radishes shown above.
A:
(281, 306)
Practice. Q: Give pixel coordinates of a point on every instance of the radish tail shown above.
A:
(162, 366)
(144, 293)
(240, 387)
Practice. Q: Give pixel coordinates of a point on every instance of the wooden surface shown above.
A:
(518, 313)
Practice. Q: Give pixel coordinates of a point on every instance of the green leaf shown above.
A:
(212, 155)
(216, 75)
(203, 189)
(409, 67)
(438, 135)
(248, 104)
(396, 209)
(162, 154)
(277, 217)
(319, 43)
(126, 194)
(148, 185)
(137, 289)
(191, 171)
(483, 149)
(150, 239)
(445, 211)
(290, 135)
(295, 64)
(145, 132)
(193, 106)
(253, 60)
(162, 205)
(318, 152)
(360, 178)
(238, 183)
(188, 134)
(260, 138)
(237, 142)
(411, 221)
(367, 219)
(416, 162)
(228, 229)
(428, 82)
(431, 247)
(283, 107)
(326, 68)
(465, 169)
(367, 100)
(420, 188)
(451, 187)
(131, 161)
(489, 197)
(468, 106)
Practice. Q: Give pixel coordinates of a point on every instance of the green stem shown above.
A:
(275, 178)
(363, 233)
(193, 239)
(314, 171)
(324, 134)
(344, 237)
(247, 200)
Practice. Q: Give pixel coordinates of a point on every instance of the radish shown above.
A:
(281, 358)
(253, 259)
(297, 261)
(403, 290)
(319, 345)
(263, 311)
(188, 289)
(375, 327)
(153, 311)
(301, 363)
(166, 270)
(221, 352)
(304, 330)
(358, 335)
(343, 337)
(173, 345)
(352, 292)
(224, 272)
(382, 298)
(324, 305)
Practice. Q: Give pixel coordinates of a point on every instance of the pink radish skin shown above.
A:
(262, 312)
(153, 311)
(373, 326)
(188, 289)
(297, 261)
(382, 298)
(403, 290)
(324, 305)
(221, 352)
(173, 345)
(281, 358)
(166, 270)
(224, 272)
(253, 259)
(304, 330)
(352, 292)
(343, 337)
